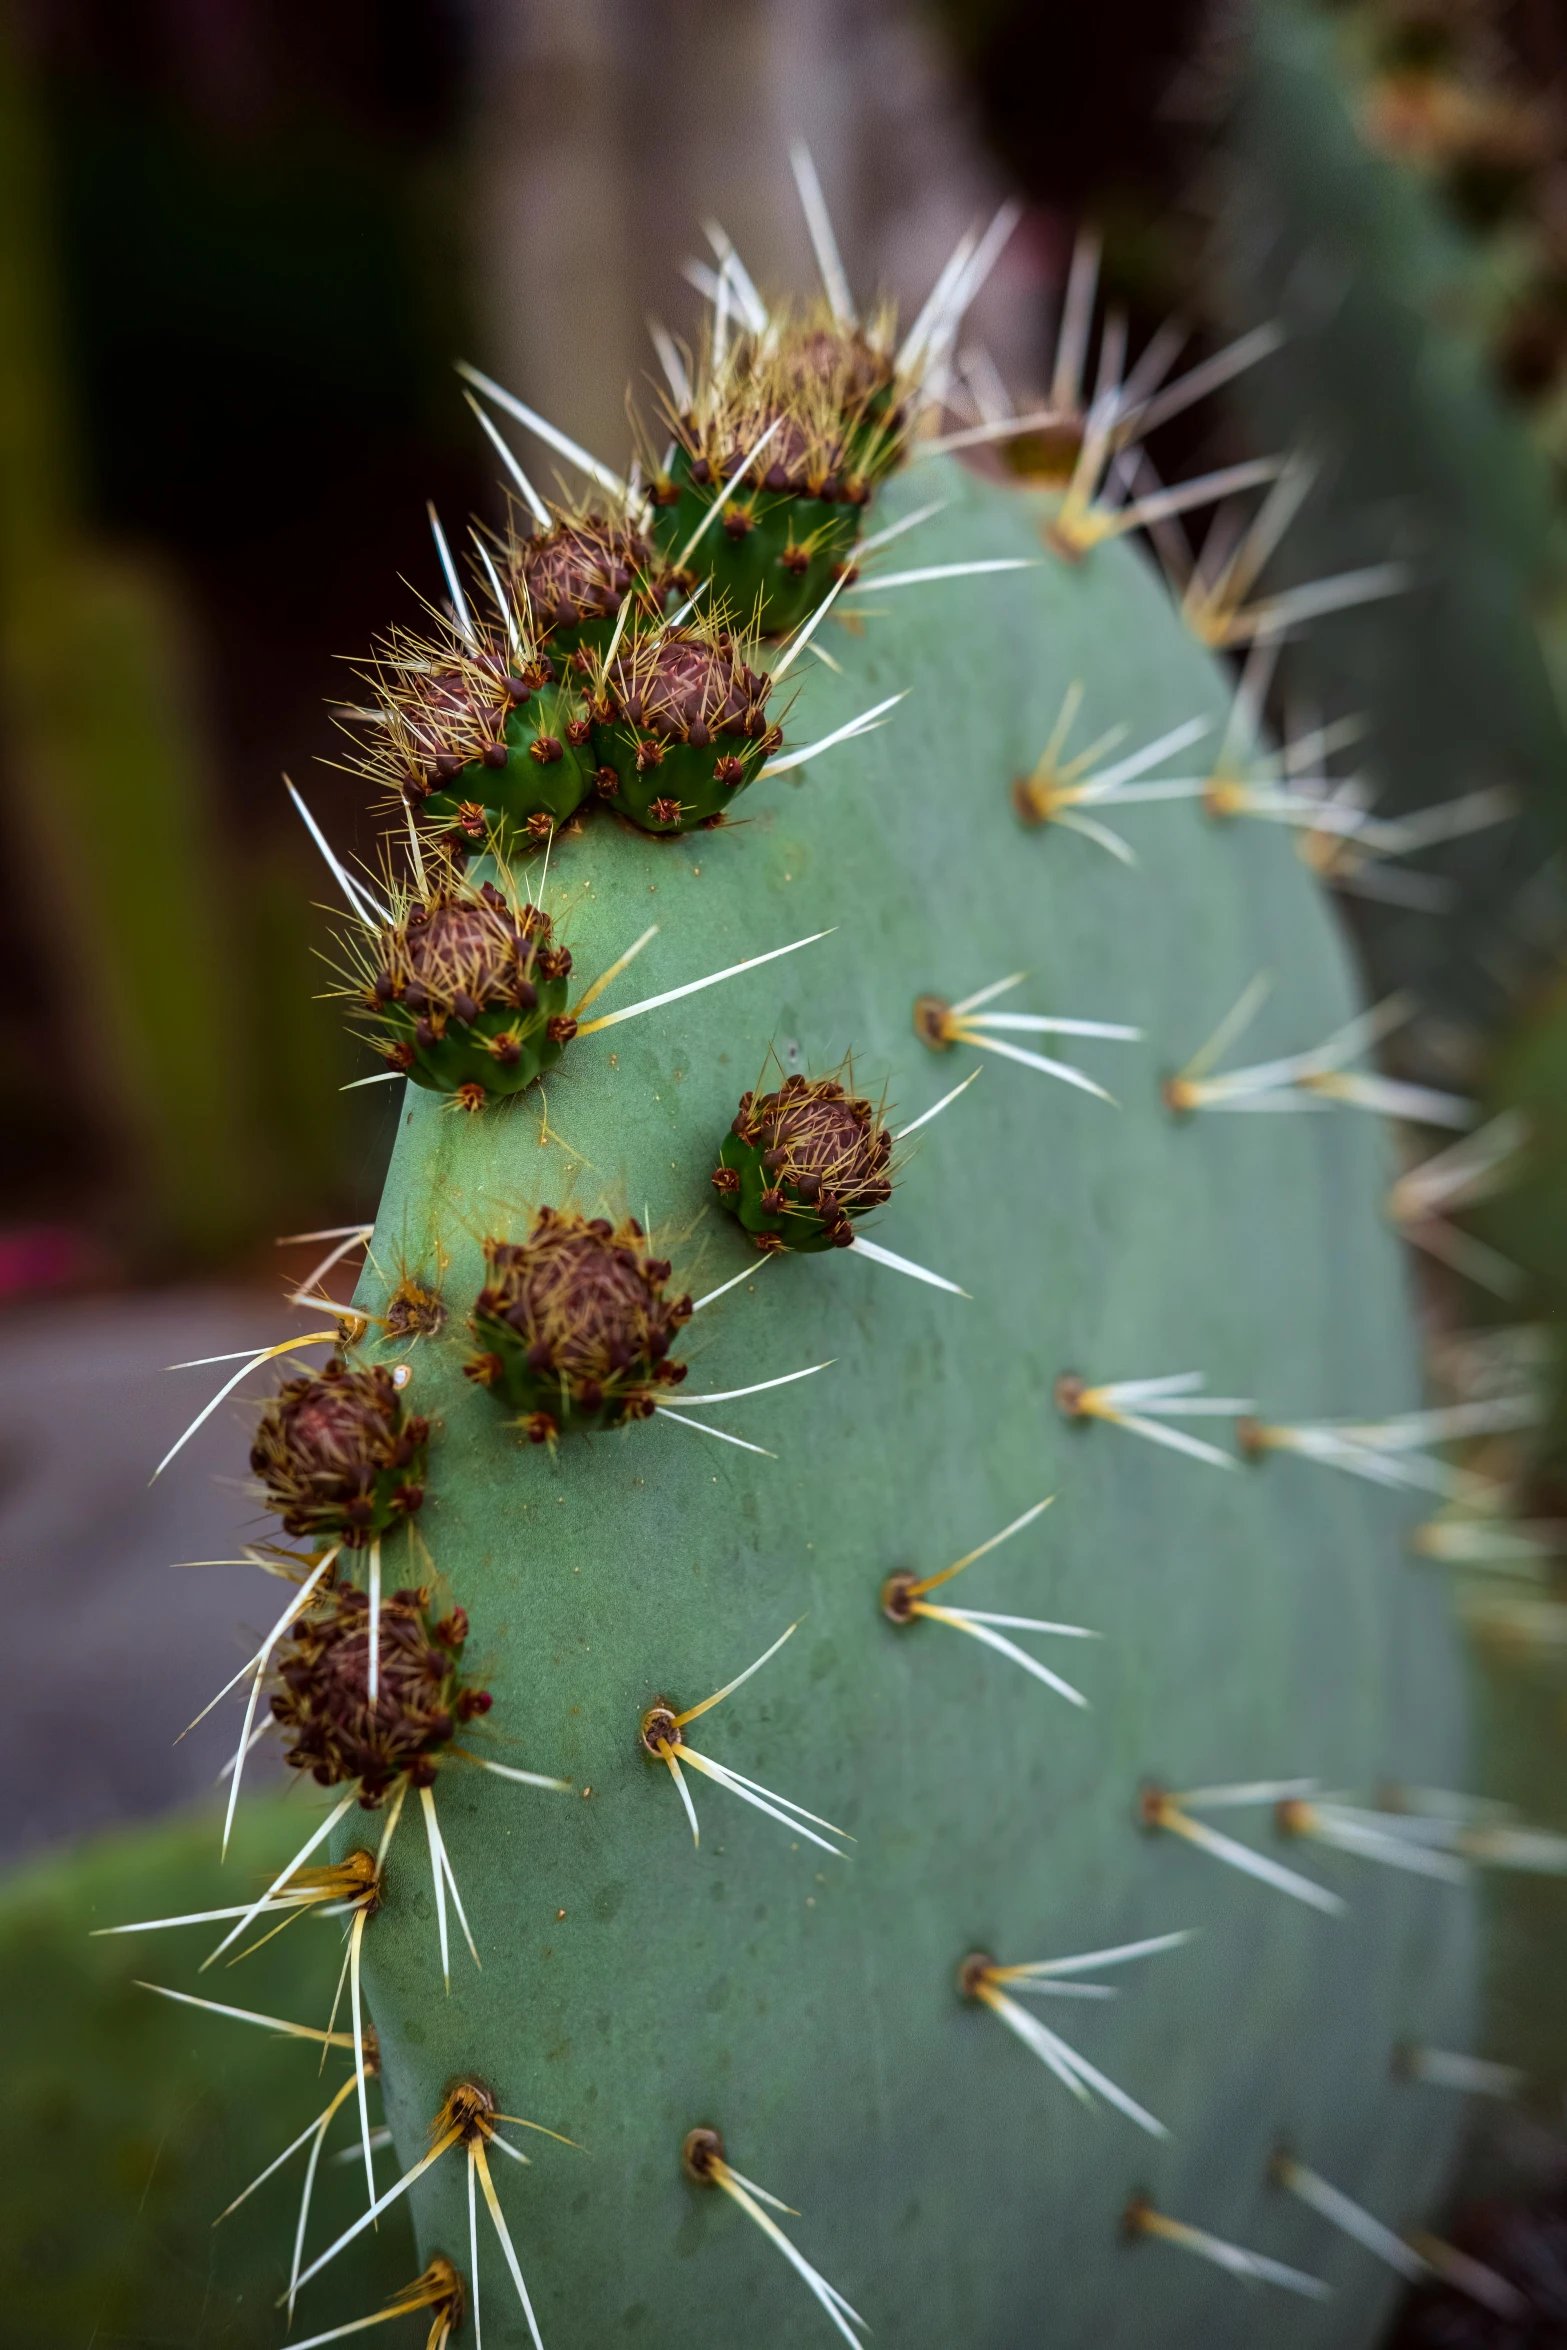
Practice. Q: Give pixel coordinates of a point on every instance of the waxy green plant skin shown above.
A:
(1256, 1623)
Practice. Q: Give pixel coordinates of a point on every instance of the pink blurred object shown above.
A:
(38, 1257)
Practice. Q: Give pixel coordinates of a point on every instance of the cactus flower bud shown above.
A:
(798, 1164)
(797, 427)
(323, 1708)
(339, 1457)
(680, 722)
(577, 1320)
(466, 988)
(479, 731)
(574, 576)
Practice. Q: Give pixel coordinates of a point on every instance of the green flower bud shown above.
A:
(573, 1325)
(466, 990)
(798, 1165)
(680, 726)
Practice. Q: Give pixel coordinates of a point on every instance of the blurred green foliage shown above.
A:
(130, 2122)
(224, 395)
(107, 801)
(1389, 385)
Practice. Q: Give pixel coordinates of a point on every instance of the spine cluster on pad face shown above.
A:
(323, 1706)
(797, 1166)
(574, 1327)
(468, 988)
(339, 1457)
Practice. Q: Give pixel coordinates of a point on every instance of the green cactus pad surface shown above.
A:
(1256, 1623)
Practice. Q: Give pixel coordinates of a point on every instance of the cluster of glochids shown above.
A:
(779, 434)
(497, 730)
(799, 1164)
(573, 1326)
(465, 986)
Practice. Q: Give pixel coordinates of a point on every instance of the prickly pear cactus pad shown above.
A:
(909, 1799)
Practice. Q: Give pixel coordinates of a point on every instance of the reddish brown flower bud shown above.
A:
(577, 1315)
(339, 1456)
(323, 1703)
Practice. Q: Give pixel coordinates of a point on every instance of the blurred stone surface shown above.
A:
(109, 1648)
